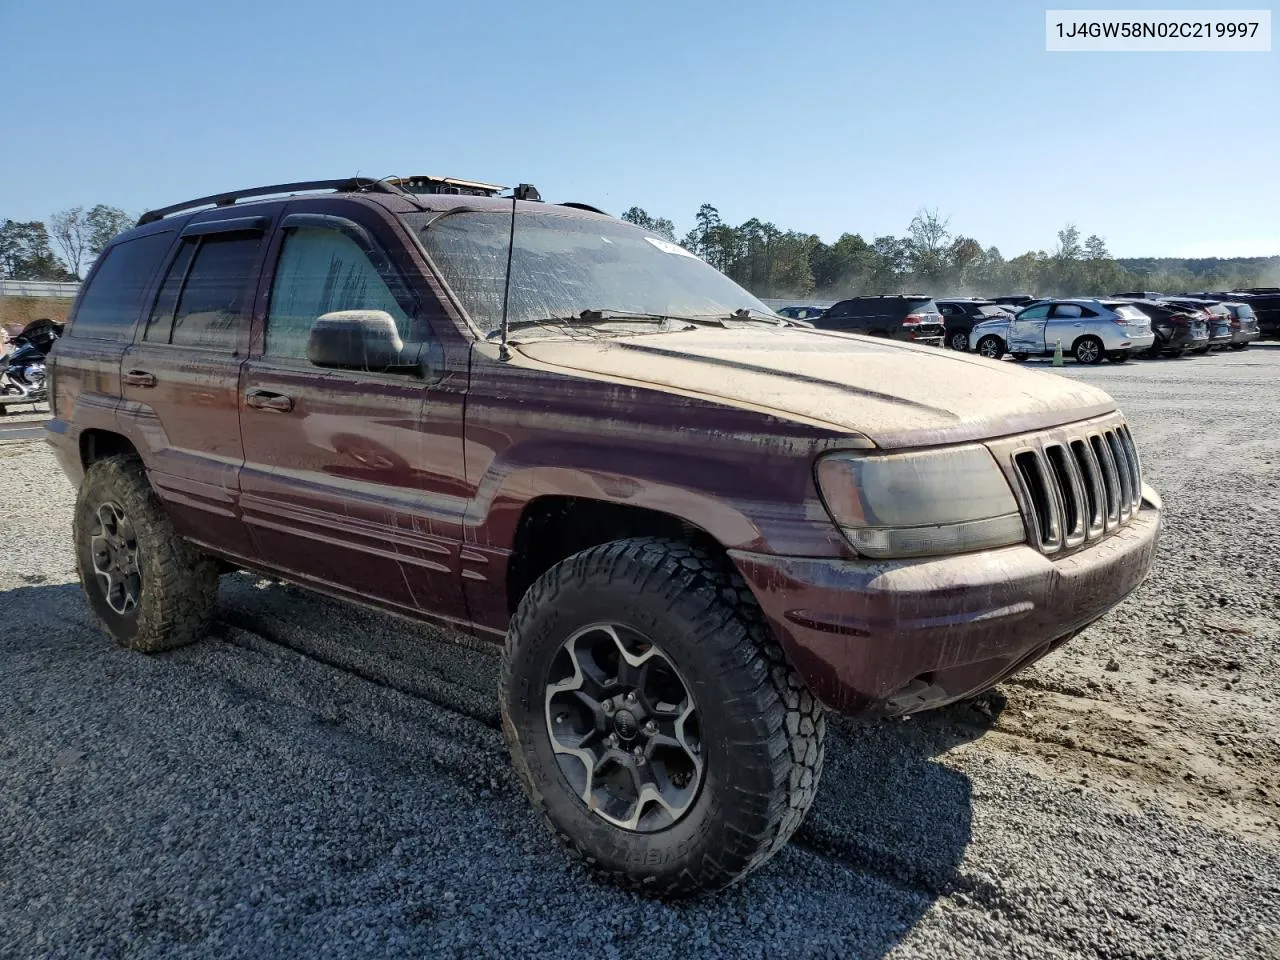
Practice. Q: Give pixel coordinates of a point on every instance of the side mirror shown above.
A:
(359, 340)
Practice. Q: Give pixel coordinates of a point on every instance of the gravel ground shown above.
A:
(285, 790)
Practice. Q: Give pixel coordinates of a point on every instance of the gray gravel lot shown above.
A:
(315, 780)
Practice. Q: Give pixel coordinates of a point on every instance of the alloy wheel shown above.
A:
(624, 728)
(113, 547)
(989, 347)
(960, 341)
(1087, 352)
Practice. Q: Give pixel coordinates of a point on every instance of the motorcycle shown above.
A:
(22, 369)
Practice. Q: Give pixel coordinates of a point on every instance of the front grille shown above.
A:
(1076, 484)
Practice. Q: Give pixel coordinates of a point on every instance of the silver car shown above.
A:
(1087, 329)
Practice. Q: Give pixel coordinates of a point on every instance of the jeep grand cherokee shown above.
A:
(693, 525)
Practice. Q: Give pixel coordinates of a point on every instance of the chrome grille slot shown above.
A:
(1110, 480)
(1037, 486)
(1071, 496)
(1125, 474)
(1091, 478)
(1126, 439)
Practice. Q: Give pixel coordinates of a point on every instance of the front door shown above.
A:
(353, 479)
(1026, 331)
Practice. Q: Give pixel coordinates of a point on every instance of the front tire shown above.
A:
(667, 808)
(991, 347)
(1087, 350)
(149, 589)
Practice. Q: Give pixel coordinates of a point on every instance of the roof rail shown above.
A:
(348, 185)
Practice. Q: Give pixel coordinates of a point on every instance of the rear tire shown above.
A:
(149, 589)
(759, 732)
(1240, 346)
(1087, 350)
(959, 341)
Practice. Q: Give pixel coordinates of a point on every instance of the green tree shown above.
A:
(25, 253)
(105, 224)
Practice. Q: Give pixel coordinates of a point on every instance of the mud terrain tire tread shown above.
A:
(762, 683)
(179, 583)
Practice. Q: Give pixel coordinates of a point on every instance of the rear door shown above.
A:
(1026, 330)
(1067, 321)
(181, 377)
(354, 479)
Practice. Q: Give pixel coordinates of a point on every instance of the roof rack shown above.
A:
(449, 185)
(348, 185)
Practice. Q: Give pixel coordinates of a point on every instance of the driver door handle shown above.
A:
(139, 378)
(266, 400)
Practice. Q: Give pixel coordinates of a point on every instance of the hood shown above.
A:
(897, 394)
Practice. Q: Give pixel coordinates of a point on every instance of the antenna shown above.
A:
(526, 191)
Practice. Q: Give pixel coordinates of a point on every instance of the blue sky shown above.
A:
(821, 116)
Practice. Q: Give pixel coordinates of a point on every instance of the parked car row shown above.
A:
(1090, 329)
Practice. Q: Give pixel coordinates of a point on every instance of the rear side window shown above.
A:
(201, 303)
(1130, 313)
(1244, 312)
(113, 299)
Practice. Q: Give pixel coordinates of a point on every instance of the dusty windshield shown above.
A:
(564, 265)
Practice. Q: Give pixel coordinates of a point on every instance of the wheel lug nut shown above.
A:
(638, 753)
(631, 697)
(609, 706)
(612, 740)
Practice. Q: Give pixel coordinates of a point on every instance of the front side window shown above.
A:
(1034, 313)
(322, 271)
(562, 265)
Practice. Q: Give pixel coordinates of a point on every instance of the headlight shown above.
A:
(951, 500)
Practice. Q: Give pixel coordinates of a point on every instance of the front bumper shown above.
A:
(903, 636)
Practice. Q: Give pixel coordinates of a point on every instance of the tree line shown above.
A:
(62, 249)
(931, 258)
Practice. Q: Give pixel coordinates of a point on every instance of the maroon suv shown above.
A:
(693, 524)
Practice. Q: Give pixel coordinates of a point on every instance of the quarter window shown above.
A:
(113, 299)
(322, 271)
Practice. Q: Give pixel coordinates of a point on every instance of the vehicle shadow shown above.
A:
(341, 770)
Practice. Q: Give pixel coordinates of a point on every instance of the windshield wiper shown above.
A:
(589, 318)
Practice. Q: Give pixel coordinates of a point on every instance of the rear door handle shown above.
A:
(139, 378)
(266, 400)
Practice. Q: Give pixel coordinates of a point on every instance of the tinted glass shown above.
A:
(113, 298)
(160, 323)
(322, 271)
(1244, 312)
(1068, 311)
(563, 265)
(210, 307)
(1035, 313)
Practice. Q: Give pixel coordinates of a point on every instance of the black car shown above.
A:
(912, 317)
(1177, 330)
(1016, 300)
(1217, 317)
(1265, 302)
(959, 316)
